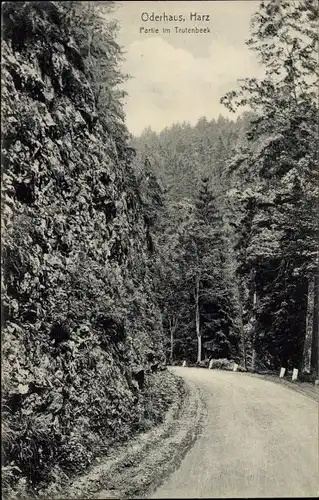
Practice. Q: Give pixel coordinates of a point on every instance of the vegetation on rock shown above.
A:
(81, 334)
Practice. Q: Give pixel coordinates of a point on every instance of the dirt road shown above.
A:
(259, 439)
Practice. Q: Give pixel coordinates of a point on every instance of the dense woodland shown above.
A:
(237, 237)
(123, 254)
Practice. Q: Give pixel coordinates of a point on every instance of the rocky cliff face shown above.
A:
(81, 328)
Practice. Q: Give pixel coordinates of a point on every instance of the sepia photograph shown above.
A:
(159, 249)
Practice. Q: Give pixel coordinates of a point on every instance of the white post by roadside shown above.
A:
(294, 374)
(282, 372)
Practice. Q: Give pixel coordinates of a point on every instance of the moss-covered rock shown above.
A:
(77, 295)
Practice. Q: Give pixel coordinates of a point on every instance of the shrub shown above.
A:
(222, 364)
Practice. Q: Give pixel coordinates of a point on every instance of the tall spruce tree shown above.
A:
(279, 167)
(206, 252)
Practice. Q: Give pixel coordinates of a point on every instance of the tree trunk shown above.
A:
(172, 345)
(306, 357)
(253, 322)
(171, 331)
(172, 324)
(315, 331)
(253, 358)
(242, 329)
(199, 355)
(197, 321)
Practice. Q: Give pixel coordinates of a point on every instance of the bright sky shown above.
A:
(180, 77)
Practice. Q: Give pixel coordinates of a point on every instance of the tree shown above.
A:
(278, 164)
(208, 277)
(175, 229)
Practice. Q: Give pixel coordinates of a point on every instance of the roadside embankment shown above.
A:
(138, 467)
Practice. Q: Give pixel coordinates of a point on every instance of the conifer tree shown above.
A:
(279, 167)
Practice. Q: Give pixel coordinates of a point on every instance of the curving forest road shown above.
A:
(259, 439)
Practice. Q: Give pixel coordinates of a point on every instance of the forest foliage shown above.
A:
(239, 237)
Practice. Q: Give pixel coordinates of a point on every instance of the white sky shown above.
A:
(181, 77)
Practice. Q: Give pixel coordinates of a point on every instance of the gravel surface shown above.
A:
(229, 435)
(303, 387)
(259, 439)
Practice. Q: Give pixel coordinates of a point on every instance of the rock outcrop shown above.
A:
(81, 332)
